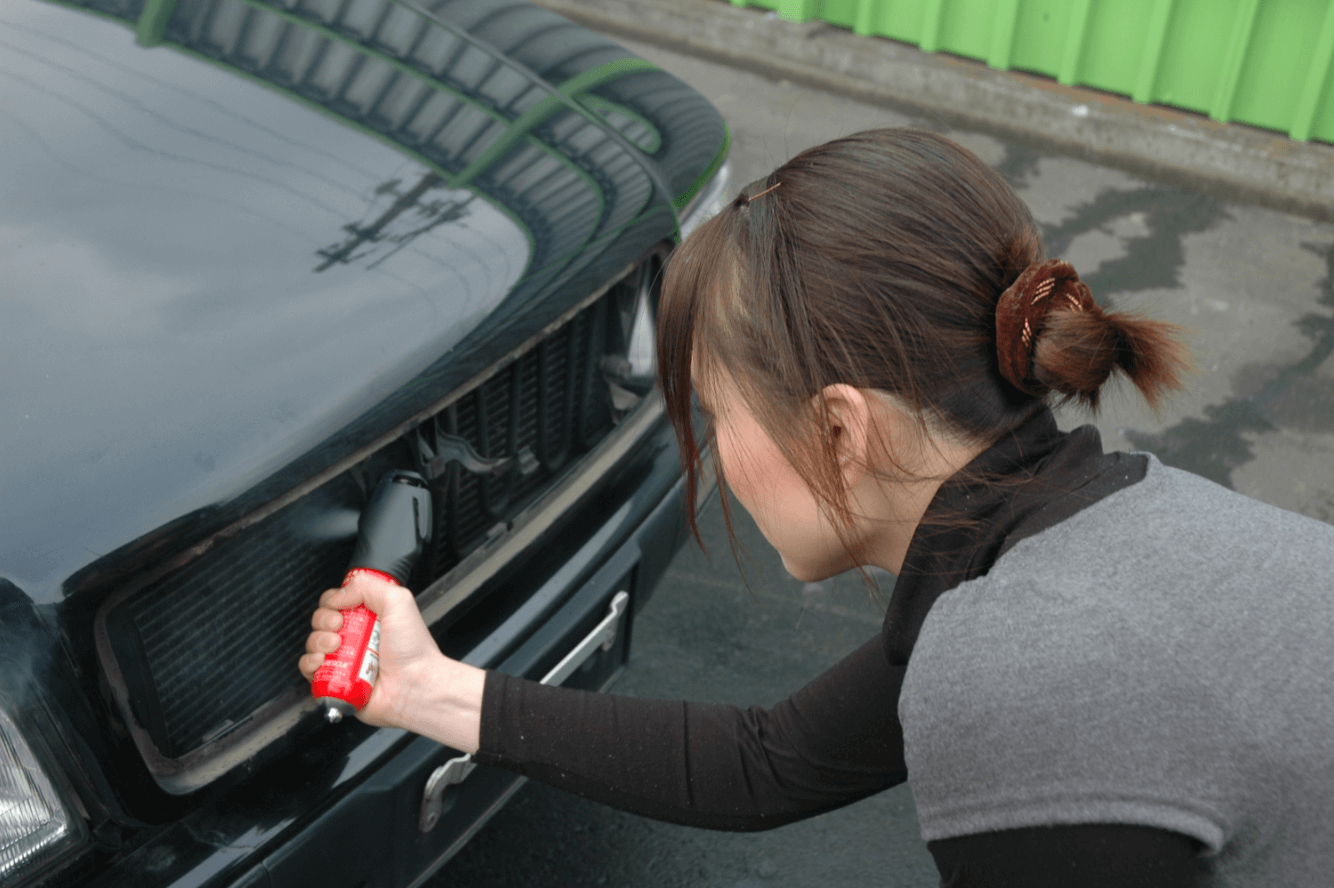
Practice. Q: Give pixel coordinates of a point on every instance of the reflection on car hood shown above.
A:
(207, 277)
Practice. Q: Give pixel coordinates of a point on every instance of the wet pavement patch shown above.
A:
(1152, 260)
(1019, 164)
(1266, 398)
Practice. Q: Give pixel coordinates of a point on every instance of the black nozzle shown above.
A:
(395, 526)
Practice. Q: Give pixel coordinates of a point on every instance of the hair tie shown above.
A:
(1021, 313)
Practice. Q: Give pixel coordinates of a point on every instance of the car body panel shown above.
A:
(237, 363)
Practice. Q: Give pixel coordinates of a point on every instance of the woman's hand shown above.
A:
(418, 688)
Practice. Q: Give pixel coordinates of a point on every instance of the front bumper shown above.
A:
(345, 812)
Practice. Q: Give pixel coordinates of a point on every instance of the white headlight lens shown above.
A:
(34, 824)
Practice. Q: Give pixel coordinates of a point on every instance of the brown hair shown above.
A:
(878, 263)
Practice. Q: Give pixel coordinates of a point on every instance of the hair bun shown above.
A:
(1052, 336)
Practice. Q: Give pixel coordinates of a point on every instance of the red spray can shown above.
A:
(391, 533)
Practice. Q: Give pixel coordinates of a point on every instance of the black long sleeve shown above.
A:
(831, 743)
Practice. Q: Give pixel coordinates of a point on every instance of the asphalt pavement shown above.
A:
(1252, 286)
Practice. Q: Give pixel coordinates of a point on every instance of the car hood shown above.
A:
(208, 278)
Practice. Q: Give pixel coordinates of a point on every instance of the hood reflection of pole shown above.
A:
(436, 213)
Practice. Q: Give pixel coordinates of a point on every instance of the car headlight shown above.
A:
(36, 825)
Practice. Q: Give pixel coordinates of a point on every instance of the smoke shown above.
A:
(27, 647)
(327, 525)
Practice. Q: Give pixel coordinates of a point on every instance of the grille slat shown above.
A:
(220, 637)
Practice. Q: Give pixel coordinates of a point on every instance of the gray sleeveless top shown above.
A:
(1165, 657)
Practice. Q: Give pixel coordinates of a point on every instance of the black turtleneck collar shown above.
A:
(1032, 478)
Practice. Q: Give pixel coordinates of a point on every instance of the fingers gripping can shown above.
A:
(345, 679)
(393, 529)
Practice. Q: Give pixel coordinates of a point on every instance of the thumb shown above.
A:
(364, 587)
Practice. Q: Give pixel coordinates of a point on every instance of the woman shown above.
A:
(1094, 670)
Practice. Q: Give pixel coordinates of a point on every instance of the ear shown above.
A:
(850, 424)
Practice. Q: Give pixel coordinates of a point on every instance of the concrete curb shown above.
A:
(1230, 160)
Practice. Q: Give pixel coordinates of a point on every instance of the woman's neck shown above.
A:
(890, 502)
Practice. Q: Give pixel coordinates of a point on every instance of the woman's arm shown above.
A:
(721, 767)
(831, 743)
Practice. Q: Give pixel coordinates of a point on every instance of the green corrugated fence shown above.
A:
(1262, 62)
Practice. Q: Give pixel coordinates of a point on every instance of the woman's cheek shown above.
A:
(779, 501)
(786, 513)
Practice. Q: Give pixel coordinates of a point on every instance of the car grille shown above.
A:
(203, 649)
(544, 409)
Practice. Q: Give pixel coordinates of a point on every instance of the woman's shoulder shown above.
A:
(1171, 530)
(1184, 498)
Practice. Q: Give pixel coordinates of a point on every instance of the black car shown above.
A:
(254, 255)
